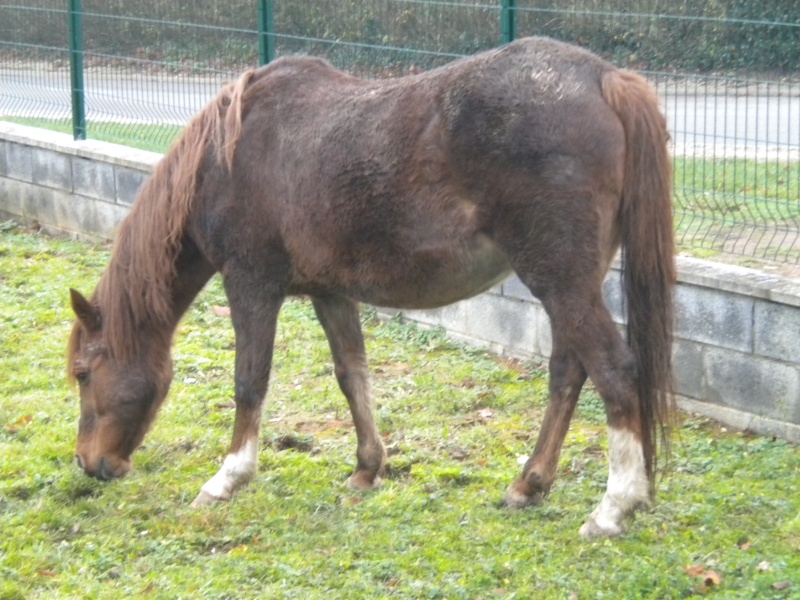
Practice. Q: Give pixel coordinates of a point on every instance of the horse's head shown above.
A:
(119, 398)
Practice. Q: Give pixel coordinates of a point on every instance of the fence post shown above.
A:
(508, 24)
(76, 70)
(266, 31)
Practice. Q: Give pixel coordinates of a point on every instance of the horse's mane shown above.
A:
(135, 287)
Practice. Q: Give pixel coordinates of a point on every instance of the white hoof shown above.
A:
(607, 529)
(206, 499)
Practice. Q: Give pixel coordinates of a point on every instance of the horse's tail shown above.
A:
(648, 263)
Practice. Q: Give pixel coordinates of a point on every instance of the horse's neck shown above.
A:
(131, 323)
(192, 272)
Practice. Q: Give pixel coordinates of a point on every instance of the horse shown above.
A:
(536, 158)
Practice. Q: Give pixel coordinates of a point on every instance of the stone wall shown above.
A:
(84, 188)
(737, 347)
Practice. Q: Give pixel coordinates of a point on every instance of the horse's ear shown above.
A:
(87, 314)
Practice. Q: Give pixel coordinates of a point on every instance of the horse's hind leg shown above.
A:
(612, 368)
(566, 379)
(586, 341)
(254, 313)
(340, 320)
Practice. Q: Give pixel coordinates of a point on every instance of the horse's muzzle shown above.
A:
(103, 470)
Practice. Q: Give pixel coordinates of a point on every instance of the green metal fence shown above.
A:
(728, 71)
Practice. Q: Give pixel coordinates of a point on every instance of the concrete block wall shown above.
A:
(737, 346)
(737, 339)
(84, 188)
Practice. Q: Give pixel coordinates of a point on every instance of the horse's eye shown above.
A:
(82, 377)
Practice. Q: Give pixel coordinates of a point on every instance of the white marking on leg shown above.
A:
(628, 486)
(237, 469)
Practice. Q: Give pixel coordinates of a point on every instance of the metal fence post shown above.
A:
(508, 24)
(266, 31)
(76, 70)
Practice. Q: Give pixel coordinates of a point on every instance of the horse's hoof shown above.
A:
(205, 499)
(516, 499)
(592, 529)
(363, 481)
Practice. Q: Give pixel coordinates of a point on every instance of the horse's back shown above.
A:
(391, 191)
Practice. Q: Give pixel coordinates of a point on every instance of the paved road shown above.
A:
(124, 99)
(761, 126)
(758, 126)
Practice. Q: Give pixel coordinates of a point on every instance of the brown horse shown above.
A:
(536, 157)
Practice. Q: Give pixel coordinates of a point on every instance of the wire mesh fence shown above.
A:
(41, 59)
(728, 73)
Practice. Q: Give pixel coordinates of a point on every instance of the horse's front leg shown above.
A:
(340, 320)
(254, 314)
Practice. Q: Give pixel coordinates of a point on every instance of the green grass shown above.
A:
(737, 205)
(155, 138)
(435, 529)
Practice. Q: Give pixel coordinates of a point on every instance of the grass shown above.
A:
(739, 206)
(455, 420)
(154, 138)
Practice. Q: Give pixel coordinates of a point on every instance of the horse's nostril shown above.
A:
(104, 472)
(79, 460)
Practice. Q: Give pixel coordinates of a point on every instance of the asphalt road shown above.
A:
(761, 126)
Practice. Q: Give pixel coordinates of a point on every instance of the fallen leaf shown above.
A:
(694, 570)
(19, 423)
(710, 578)
(221, 311)
(46, 573)
(781, 585)
(745, 546)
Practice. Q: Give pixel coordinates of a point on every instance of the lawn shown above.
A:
(455, 420)
(154, 138)
(738, 206)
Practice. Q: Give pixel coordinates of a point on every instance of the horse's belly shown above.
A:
(439, 276)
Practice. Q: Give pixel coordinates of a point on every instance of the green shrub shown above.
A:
(688, 35)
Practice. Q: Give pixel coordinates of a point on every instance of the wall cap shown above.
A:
(116, 154)
(738, 280)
